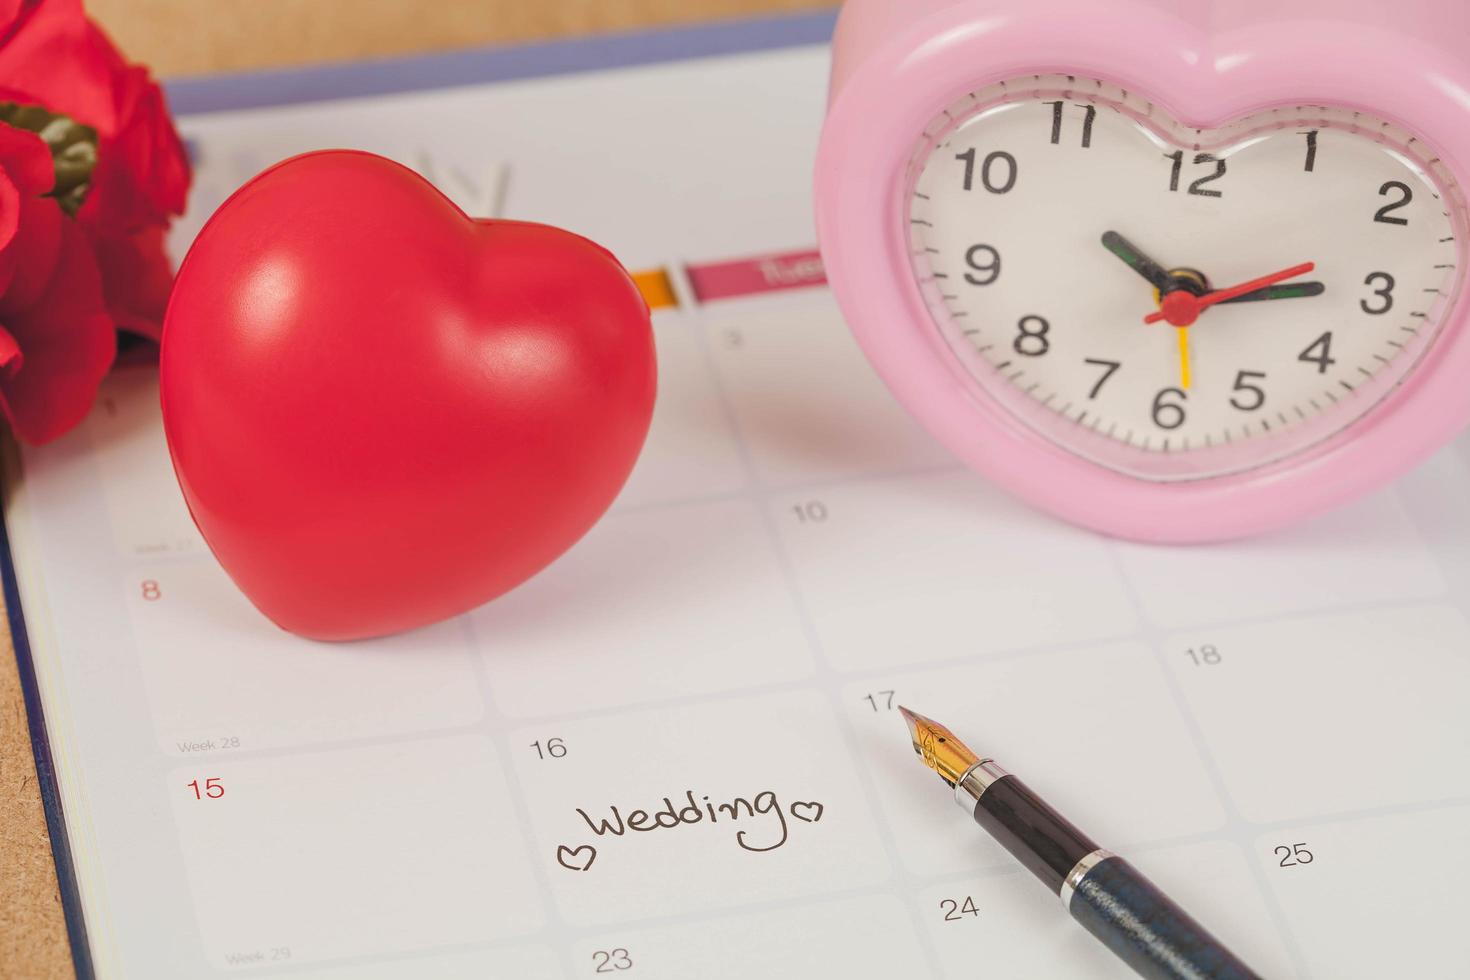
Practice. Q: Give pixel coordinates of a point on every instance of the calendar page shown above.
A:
(676, 753)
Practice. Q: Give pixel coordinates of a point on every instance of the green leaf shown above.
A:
(73, 149)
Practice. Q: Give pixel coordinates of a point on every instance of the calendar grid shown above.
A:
(792, 557)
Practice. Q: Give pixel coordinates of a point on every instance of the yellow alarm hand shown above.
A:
(1186, 376)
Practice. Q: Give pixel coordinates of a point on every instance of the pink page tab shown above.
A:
(752, 276)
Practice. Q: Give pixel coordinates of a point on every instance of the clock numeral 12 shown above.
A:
(1199, 188)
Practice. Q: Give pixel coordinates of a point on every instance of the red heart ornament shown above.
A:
(383, 413)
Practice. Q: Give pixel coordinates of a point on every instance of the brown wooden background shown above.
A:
(180, 37)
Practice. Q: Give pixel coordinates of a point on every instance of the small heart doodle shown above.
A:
(576, 858)
(810, 812)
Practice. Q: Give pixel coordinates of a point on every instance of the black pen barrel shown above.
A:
(1150, 933)
(1106, 894)
(1035, 834)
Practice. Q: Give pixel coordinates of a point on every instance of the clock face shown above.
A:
(1297, 266)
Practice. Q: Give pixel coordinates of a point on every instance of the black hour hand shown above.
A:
(1285, 290)
(1136, 260)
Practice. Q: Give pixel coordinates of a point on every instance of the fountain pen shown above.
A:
(1110, 898)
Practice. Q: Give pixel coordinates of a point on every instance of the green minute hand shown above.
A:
(1290, 290)
(1136, 260)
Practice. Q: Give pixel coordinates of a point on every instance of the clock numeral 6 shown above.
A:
(1386, 293)
(1249, 397)
(998, 172)
(1199, 188)
(1168, 414)
(985, 260)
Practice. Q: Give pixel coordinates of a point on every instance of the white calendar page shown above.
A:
(1277, 731)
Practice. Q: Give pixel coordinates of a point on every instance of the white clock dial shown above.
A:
(1038, 206)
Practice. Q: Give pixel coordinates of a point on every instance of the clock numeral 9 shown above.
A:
(1170, 415)
(1386, 293)
(1033, 341)
(1406, 197)
(1249, 397)
(985, 260)
(997, 165)
(1199, 187)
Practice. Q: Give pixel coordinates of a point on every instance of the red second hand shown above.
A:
(1182, 308)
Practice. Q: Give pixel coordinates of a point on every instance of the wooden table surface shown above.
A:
(181, 37)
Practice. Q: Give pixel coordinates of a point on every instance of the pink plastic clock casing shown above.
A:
(897, 64)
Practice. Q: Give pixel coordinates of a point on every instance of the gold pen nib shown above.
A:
(938, 747)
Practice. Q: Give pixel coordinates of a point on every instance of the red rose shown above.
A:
(67, 282)
(56, 336)
(52, 56)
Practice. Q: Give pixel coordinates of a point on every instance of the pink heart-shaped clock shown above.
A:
(1177, 270)
(383, 413)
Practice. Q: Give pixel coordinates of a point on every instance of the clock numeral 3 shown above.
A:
(1386, 294)
(1199, 188)
(1406, 197)
(998, 172)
